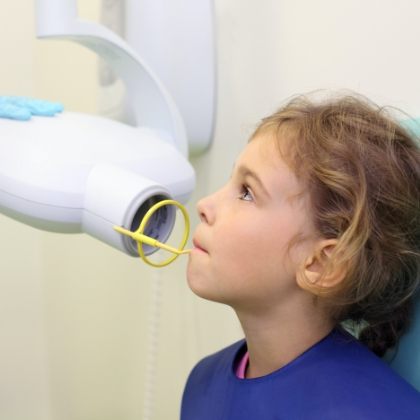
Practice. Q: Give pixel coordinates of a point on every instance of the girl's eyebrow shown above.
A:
(245, 171)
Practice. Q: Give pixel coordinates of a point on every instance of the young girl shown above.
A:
(318, 224)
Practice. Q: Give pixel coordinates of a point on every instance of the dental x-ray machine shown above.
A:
(83, 173)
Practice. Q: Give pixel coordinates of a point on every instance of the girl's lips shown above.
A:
(198, 246)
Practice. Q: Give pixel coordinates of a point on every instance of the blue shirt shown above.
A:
(337, 378)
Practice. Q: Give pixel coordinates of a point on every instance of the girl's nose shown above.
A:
(205, 210)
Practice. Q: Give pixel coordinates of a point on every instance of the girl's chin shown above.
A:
(198, 283)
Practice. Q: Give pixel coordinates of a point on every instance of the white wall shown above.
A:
(75, 314)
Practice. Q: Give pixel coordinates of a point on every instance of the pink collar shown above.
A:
(243, 364)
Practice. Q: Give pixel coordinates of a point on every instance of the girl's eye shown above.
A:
(246, 194)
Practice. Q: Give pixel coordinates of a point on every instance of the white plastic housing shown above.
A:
(83, 173)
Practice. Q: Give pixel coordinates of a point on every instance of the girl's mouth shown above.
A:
(198, 247)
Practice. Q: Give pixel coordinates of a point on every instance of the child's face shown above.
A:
(245, 230)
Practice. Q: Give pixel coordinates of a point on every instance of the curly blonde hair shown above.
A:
(362, 171)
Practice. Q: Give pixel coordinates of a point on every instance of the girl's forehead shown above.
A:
(266, 148)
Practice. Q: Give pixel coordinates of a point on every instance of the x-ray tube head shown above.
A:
(82, 173)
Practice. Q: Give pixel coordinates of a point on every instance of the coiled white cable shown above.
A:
(152, 344)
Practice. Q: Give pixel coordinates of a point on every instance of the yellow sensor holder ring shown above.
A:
(141, 238)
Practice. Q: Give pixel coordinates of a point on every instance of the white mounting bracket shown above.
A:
(176, 39)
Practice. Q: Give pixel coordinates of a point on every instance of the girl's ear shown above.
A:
(317, 275)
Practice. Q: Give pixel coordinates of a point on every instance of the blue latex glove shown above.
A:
(22, 108)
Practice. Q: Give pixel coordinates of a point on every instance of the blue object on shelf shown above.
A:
(22, 108)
